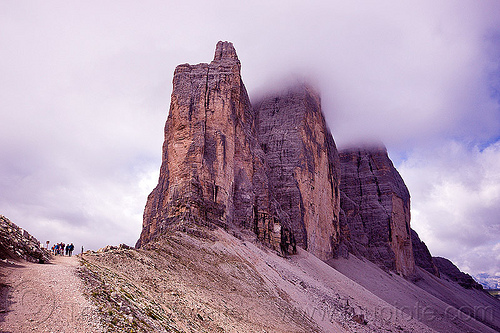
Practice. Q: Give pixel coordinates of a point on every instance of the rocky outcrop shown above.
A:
(449, 270)
(16, 243)
(375, 207)
(422, 255)
(272, 168)
(304, 167)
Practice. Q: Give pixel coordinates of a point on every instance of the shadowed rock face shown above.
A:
(304, 167)
(375, 207)
(422, 255)
(447, 268)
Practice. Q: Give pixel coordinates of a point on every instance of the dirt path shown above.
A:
(45, 298)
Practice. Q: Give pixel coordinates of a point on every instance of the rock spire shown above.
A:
(207, 165)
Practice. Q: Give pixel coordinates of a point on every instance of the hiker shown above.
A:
(62, 248)
(67, 250)
(70, 248)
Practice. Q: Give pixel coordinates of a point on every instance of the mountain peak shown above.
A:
(225, 50)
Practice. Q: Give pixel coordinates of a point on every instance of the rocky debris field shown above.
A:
(16, 243)
(185, 284)
(211, 281)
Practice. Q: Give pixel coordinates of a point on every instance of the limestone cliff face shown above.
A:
(304, 167)
(375, 207)
(207, 166)
(422, 255)
(273, 169)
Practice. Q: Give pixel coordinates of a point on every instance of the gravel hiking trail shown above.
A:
(45, 298)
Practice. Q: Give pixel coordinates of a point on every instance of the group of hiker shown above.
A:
(62, 249)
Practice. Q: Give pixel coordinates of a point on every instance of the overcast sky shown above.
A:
(85, 89)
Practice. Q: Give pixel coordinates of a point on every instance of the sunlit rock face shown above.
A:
(375, 205)
(304, 167)
(207, 166)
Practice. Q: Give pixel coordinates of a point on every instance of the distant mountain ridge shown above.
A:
(488, 281)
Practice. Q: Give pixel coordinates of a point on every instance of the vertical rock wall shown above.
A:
(272, 169)
(207, 165)
(304, 167)
(375, 207)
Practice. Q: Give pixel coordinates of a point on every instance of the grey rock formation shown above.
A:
(375, 207)
(272, 169)
(304, 167)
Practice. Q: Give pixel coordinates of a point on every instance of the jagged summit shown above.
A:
(225, 51)
(207, 166)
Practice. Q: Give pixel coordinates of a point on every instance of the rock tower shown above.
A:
(272, 169)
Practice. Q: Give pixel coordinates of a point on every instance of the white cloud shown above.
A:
(455, 193)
